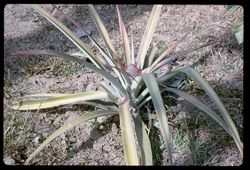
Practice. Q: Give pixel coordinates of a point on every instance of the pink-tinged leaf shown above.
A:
(168, 51)
(109, 62)
(124, 37)
(133, 70)
(105, 36)
(178, 56)
(132, 51)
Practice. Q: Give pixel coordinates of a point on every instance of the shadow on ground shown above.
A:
(45, 36)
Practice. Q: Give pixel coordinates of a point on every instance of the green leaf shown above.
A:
(136, 86)
(102, 30)
(67, 126)
(240, 33)
(45, 95)
(167, 76)
(69, 35)
(142, 96)
(126, 82)
(142, 101)
(105, 36)
(154, 91)
(201, 106)
(232, 8)
(106, 58)
(126, 123)
(148, 34)
(145, 92)
(143, 140)
(58, 101)
(117, 86)
(71, 153)
(110, 89)
(97, 103)
(104, 54)
(210, 92)
(152, 55)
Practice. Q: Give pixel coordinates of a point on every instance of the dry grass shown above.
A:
(197, 140)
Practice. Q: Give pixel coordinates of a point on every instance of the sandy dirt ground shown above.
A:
(87, 144)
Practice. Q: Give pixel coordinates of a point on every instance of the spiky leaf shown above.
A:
(209, 90)
(154, 91)
(143, 140)
(83, 47)
(148, 34)
(127, 130)
(117, 86)
(58, 101)
(67, 126)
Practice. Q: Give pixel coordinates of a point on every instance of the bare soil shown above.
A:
(90, 144)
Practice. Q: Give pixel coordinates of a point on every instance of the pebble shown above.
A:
(114, 128)
(107, 148)
(36, 140)
(101, 119)
(9, 161)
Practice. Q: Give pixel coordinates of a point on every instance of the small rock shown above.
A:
(62, 136)
(9, 161)
(101, 119)
(81, 34)
(36, 140)
(114, 128)
(101, 127)
(107, 148)
(78, 142)
(177, 108)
